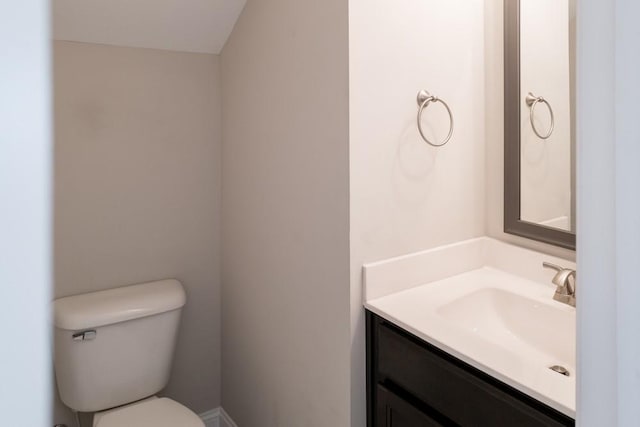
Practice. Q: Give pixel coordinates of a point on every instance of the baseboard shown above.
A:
(217, 418)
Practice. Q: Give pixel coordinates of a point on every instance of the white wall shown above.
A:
(138, 187)
(405, 195)
(544, 71)
(608, 204)
(597, 380)
(25, 253)
(285, 340)
(627, 151)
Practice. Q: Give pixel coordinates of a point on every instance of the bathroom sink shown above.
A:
(542, 331)
(505, 325)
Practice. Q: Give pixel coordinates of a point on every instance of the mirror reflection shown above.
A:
(547, 113)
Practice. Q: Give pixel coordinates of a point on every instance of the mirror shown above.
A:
(540, 120)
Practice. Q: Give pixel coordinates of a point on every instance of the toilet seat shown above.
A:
(152, 412)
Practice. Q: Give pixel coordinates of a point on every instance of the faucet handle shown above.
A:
(565, 291)
(552, 266)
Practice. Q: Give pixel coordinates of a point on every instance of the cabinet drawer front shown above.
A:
(393, 411)
(449, 389)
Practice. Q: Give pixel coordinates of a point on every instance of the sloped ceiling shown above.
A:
(184, 25)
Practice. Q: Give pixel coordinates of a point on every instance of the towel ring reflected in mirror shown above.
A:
(532, 101)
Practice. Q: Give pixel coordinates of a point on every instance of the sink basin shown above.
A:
(505, 325)
(509, 320)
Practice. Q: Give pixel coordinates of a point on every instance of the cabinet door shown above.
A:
(456, 392)
(393, 411)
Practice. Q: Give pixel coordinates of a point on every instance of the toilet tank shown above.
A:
(116, 346)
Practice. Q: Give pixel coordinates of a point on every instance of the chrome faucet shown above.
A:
(566, 287)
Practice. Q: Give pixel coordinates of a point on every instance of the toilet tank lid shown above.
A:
(117, 305)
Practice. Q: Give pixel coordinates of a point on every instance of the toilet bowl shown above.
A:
(152, 412)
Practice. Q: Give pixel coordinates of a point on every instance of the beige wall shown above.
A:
(137, 189)
(285, 339)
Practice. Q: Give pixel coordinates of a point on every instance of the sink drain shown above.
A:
(561, 370)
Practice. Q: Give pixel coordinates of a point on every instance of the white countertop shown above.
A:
(503, 323)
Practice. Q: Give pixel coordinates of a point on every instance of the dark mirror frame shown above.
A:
(512, 222)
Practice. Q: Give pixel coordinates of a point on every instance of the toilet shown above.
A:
(113, 353)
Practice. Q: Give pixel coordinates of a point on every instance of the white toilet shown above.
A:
(113, 352)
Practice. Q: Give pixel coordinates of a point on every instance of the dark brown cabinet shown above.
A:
(393, 411)
(411, 383)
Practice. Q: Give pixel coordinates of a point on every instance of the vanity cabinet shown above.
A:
(411, 383)
(393, 411)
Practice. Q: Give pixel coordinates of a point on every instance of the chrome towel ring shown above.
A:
(424, 99)
(532, 102)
